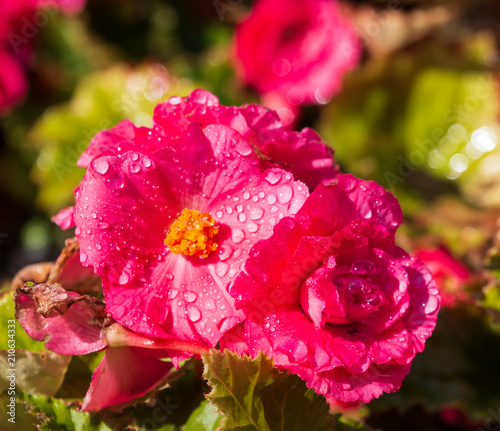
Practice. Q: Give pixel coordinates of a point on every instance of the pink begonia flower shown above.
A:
(450, 275)
(20, 23)
(298, 49)
(166, 216)
(302, 153)
(331, 298)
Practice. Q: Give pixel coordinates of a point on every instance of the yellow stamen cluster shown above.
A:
(191, 234)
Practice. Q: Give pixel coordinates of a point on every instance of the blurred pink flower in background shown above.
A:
(295, 52)
(20, 23)
(450, 275)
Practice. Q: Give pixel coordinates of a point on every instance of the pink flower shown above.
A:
(331, 298)
(302, 153)
(451, 275)
(166, 216)
(298, 49)
(20, 23)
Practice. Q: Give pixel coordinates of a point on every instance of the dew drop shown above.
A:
(229, 210)
(193, 313)
(246, 195)
(190, 296)
(362, 266)
(239, 208)
(272, 177)
(300, 350)
(209, 303)
(237, 235)
(432, 305)
(242, 217)
(124, 278)
(83, 257)
(285, 193)
(146, 162)
(100, 165)
(252, 227)
(172, 293)
(135, 157)
(256, 213)
(225, 253)
(135, 168)
(221, 269)
(271, 199)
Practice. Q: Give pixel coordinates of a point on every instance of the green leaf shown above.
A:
(254, 395)
(204, 418)
(41, 373)
(55, 414)
(346, 424)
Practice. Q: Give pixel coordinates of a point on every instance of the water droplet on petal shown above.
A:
(242, 217)
(246, 195)
(252, 227)
(256, 213)
(172, 293)
(239, 208)
(271, 199)
(100, 165)
(193, 313)
(221, 269)
(362, 266)
(190, 296)
(285, 193)
(83, 257)
(300, 350)
(272, 177)
(432, 305)
(124, 278)
(146, 162)
(209, 304)
(237, 235)
(135, 168)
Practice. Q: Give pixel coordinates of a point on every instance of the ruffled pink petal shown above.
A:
(347, 387)
(64, 218)
(124, 137)
(349, 198)
(293, 334)
(124, 374)
(76, 332)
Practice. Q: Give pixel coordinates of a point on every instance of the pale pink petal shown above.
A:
(64, 218)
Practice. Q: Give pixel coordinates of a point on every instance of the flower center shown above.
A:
(191, 234)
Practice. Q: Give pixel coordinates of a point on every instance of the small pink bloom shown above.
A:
(302, 153)
(451, 275)
(19, 26)
(143, 187)
(298, 49)
(331, 298)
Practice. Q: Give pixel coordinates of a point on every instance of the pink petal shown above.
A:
(71, 328)
(124, 137)
(124, 374)
(349, 198)
(64, 218)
